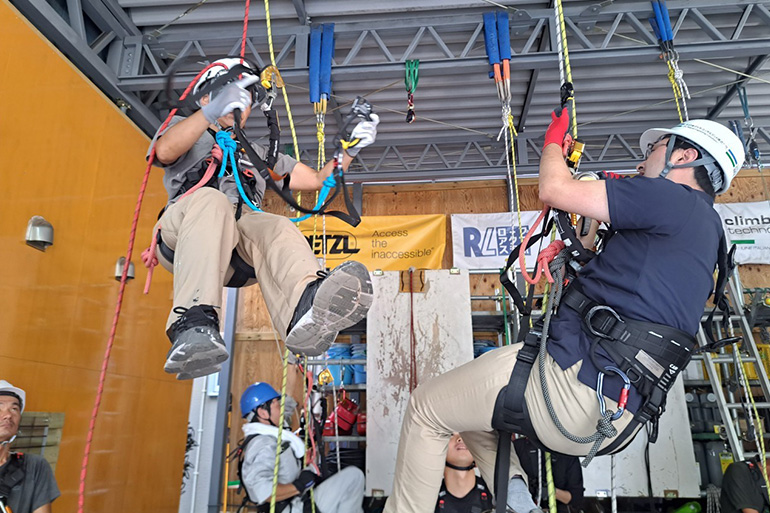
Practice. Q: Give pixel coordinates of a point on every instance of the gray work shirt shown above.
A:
(193, 160)
(258, 467)
(38, 487)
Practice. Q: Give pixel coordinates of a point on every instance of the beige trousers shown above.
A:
(202, 231)
(462, 400)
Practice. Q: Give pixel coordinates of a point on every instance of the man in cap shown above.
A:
(27, 484)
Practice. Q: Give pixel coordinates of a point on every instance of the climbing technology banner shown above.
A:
(747, 225)
(483, 241)
(390, 243)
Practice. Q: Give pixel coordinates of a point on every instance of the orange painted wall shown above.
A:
(70, 155)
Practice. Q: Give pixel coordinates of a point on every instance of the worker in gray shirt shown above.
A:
(342, 492)
(209, 231)
(27, 484)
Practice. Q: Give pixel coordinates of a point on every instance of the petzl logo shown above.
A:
(494, 241)
(336, 244)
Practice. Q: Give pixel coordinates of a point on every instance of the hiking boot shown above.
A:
(328, 305)
(200, 372)
(197, 347)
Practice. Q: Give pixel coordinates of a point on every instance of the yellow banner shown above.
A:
(390, 243)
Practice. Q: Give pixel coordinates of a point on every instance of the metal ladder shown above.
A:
(729, 405)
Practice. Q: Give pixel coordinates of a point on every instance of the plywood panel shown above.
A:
(73, 157)
(444, 340)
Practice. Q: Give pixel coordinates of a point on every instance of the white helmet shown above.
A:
(8, 389)
(220, 67)
(722, 152)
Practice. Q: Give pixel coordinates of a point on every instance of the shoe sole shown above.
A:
(196, 352)
(199, 373)
(342, 300)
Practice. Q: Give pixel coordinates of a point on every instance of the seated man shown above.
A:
(630, 315)
(462, 491)
(27, 484)
(744, 489)
(567, 476)
(208, 224)
(341, 493)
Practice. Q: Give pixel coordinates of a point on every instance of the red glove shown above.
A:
(557, 129)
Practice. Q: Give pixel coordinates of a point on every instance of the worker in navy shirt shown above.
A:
(641, 298)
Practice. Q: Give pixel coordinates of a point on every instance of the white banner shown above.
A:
(747, 225)
(483, 241)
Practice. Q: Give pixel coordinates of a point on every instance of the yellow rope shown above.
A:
(549, 481)
(760, 434)
(279, 437)
(677, 90)
(567, 67)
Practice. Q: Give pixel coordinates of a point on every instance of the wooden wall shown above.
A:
(71, 156)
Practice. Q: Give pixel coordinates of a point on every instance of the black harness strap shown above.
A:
(12, 475)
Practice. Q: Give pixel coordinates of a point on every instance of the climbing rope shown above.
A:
(712, 499)
(310, 456)
(549, 482)
(565, 69)
(411, 77)
(604, 427)
(412, 336)
(661, 25)
(752, 148)
(279, 436)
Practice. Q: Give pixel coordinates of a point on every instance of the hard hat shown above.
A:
(220, 67)
(255, 396)
(721, 150)
(8, 389)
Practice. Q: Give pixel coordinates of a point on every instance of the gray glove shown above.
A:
(366, 132)
(230, 97)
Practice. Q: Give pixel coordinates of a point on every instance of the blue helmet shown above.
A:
(255, 396)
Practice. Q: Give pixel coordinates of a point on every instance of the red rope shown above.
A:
(245, 29)
(119, 304)
(543, 258)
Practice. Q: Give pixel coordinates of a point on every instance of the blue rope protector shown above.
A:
(623, 394)
(229, 146)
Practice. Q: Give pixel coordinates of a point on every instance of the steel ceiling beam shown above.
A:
(299, 6)
(730, 94)
(67, 40)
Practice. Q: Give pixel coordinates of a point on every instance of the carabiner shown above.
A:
(622, 400)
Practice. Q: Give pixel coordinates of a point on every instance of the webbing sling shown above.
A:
(12, 475)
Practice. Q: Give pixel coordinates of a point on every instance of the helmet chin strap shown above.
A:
(705, 160)
(8, 441)
(457, 467)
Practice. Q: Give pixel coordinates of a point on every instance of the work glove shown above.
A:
(232, 96)
(365, 131)
(305, 481)
(557, 130)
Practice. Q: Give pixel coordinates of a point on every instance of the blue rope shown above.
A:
(229, 146)
(328, 184)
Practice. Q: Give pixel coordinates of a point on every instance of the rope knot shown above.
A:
(605, 427)
(226, 142)
(547, 255)
(330, 182)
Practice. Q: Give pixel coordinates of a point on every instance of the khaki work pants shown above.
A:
(202, 230)
(462, 400)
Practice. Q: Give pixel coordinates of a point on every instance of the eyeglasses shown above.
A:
(655, 145)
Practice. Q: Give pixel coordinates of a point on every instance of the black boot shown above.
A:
(197, 347)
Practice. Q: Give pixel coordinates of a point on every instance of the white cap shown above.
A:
(6, 389)
(718, 142)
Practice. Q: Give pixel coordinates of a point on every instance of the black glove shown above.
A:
(305, 481)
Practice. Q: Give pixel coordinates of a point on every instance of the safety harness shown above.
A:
(12, 474)
(648, 356)
(264, 507)
(479, 499)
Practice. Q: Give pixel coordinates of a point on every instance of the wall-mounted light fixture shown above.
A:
(39, 233)
(119, 265)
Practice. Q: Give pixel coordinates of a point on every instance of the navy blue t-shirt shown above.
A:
(658, 267)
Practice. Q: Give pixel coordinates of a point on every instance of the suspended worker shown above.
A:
(634, 307)
(462, 491)
(27, 484)
(342, 492)
(201, 234)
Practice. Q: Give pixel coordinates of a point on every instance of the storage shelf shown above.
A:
(350, 388)
(345, 438)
